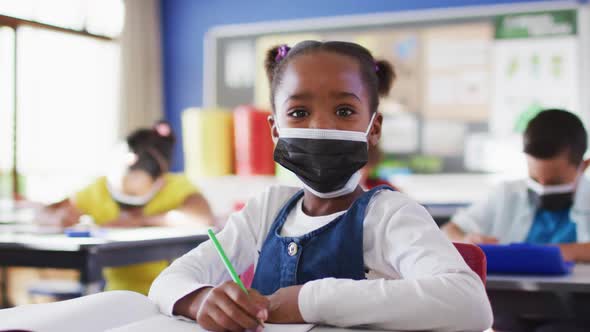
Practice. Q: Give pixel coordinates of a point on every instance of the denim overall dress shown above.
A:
(334, 250)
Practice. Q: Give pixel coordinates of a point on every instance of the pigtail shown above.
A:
(270, 63)
(274, 56)
(138, 138)
(385, 76)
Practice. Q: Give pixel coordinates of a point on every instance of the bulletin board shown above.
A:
(469, 78)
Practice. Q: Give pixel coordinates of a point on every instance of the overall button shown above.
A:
(292, 249)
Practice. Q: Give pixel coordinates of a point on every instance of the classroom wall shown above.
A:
(185, 22)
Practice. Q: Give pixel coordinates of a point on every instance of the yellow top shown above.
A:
(96, 201)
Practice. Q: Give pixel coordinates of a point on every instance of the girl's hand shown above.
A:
(227, 307)
(61, 214)
(284, 306)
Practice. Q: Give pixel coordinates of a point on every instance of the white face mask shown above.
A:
(553, 197)
(118, 173)
(557, 189)
(134, 200)
(312, 154)
(541, 190)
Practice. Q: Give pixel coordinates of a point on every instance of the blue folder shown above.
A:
(525, 259)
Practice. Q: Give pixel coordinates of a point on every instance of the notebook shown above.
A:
(116, 311)
(529, 259)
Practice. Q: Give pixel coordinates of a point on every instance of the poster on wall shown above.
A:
(402, 49)
(456, 62)
(535, 67)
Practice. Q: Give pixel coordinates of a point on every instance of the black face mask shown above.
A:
(326, 161)
(553, 202)
(552, 197)
(125, 206)
(325, 165)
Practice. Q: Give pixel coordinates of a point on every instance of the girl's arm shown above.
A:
(63, 214)
(176, 288)
(436, 290)
(194, 211)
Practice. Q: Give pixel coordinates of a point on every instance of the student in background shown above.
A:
(143, 193)
(549, 207)
(315, 248)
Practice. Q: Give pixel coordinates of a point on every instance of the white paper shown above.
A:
(453, 50)
(472, 87)
(240, 69)
(441, 90)
(443, 138)
(94, 313)
(399, 133)
(120, 311)
(456, 72)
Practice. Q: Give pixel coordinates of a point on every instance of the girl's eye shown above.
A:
(344, 111)
(298, 113)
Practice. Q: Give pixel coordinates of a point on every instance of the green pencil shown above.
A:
(232, 272)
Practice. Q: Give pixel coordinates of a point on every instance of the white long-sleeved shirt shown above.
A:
(508, 213)
(417, 280)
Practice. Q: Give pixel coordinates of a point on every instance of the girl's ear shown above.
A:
(274, 133)
(375, 132)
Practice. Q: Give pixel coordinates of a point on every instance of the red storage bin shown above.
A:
(253, 142)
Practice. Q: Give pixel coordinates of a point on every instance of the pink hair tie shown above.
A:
(163, 129)
(282, 52)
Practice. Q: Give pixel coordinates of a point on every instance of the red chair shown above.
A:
(474, 257)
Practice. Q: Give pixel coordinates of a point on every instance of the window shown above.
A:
(66, 93)
(99, 17)
(6, 109)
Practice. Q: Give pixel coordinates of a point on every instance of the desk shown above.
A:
(443, 194)
(564, 297)
(442, 213)
(578, 282)
(117, 247)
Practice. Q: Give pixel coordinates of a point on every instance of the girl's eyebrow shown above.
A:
(307, 95)
(299, 97)
(344, 94)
